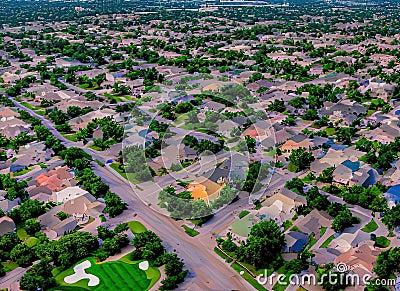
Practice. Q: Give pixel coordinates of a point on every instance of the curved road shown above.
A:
(208, 271)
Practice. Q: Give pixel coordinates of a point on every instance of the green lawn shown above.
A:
(101, 164)
(312, 240)
(9, 266)
(41, 112)
(243, 226)
(70, 136)
(370, 227)
(287, 224)
(292, 168)
(32, 241)
(93, 147)
(120, 171)
(222, 255)
(118, 275)
(191, 232)
(136, 227)
(330, 131)
(382, 242)
(327, 242)
(29, 106)
(243, 213)
(43, 165)
(248, 277)
(322, 231)
(21, 232)
(23, 172)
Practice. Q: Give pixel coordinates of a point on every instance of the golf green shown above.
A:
(117, 275)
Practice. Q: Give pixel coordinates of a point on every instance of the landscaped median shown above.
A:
(240, 268)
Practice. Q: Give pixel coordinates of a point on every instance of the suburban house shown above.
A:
(295, 242)
(204, 189)
(7, 225)
(84, 206)
(6, 114)
(68, 194)
(360, 260)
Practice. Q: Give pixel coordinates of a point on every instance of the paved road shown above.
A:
(208, 271)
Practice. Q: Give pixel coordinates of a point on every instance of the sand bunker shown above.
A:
(144, 265)
(80, 274)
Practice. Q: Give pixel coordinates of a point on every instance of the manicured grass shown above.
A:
(243, 226)
(287, 224)
(29, 106)
(322, 231)
(117, 275)
(23, 172)
(222, 255)
(9, 266)
(136, 227)
(312, 240)
(70, 136)
(120, 171)
(103, 218)
(370, 227)
(292, 168)
(21, 232)
(191, 232)
(330, 131)
(101, 164)
(93, 147)
(152, 273)
(43, 165)
(382, 242)
(248, 277)
(243, 213)
(271, 153)
(327, 242)
(31, 242)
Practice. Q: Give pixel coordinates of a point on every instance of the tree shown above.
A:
(28, 209)
(311, 114)
(392, 217)
(326, 175)
(140, 239)
(277, 105)
(301, 158)
(32, 226)
(343, 220)
(173, 265)
(83, 244)
(114, 204)
(121, 227)
(263, 245)
(58, 116)
(23, 255)
(40, 276)
(104, 232)
(387, 263)
(295, 184)
(297, 102)
(42, 132)
(317, 200)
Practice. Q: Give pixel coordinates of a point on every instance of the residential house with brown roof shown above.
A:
(7, 225)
